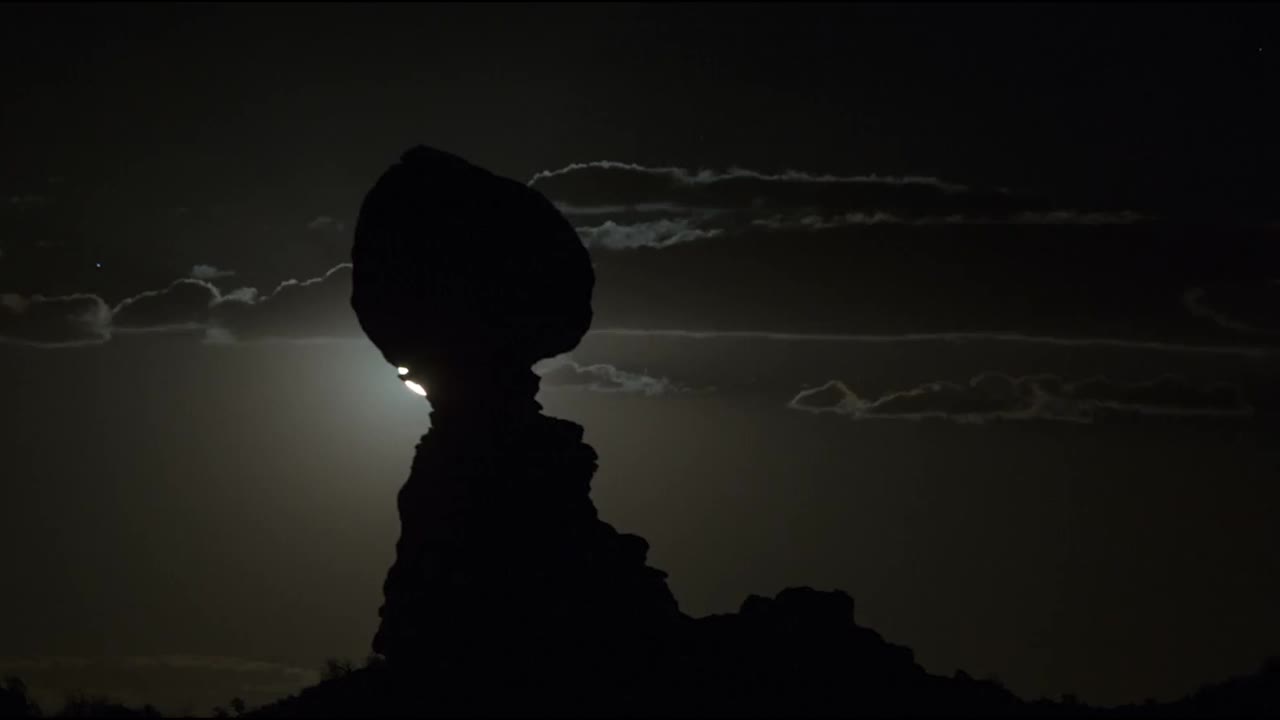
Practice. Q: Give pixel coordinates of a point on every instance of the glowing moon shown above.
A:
(415, 387)
(402, 371)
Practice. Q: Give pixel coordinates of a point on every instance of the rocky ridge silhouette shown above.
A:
(508, 595)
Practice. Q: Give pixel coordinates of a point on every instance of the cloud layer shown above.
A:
(318, 308)
(314, 308)
(994, 397)
(653, 233)
(1252, 310)
(699, 204)
(64, 321)
(564, 372)
(324, 223)
(945, 337)
(209, 272)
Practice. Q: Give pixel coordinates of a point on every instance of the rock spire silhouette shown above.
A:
(466, 279)
(508, 594)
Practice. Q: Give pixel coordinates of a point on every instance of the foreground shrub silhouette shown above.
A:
(97, 706)
(14, 700)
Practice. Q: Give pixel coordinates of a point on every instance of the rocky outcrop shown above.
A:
(466, 279)
(508, 594)
(500, 544)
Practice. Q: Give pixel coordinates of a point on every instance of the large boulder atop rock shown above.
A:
(458, 270)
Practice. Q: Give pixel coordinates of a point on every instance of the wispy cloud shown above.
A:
(183, 304)
(308, 309)
(1253, 310)
(945, 337)
(51, 322)
(655, 234)
(209, 272)
(994, 396)
(639, 208)
(562, 371)
(324, 223)
(818, 222)
(1056, 217)
(318, 308)
(741, 200)
(686, 176)
(311, 308)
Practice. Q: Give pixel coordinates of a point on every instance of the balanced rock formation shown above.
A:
(508, 594)
(466, 279)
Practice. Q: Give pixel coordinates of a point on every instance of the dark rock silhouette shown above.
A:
(466, 279)
(508, 595)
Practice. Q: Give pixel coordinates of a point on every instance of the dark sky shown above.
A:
(970, 310)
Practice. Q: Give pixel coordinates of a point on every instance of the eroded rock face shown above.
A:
(467, 279)
(501, 547)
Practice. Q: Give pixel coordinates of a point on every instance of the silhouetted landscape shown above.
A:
(371, 690)
(805, 360)
(509, 596)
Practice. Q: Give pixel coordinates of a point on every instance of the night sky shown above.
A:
(972, 311)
